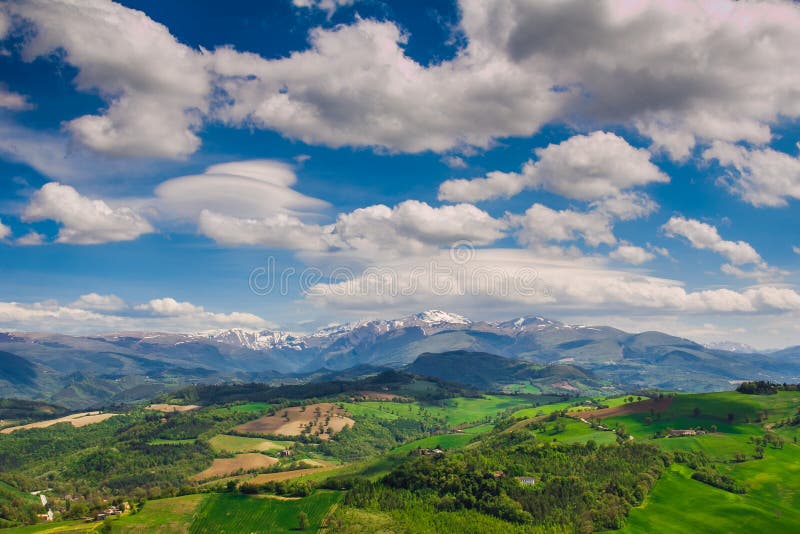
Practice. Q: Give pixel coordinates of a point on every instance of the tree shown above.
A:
(302, 521)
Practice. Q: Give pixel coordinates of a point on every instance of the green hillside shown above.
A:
(417, 464)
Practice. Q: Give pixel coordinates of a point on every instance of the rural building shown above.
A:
(427, 452)
(682, 433)
(526, 481)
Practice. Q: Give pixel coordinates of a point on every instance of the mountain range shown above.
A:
(82, 371)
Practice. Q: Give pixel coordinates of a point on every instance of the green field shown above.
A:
(455, 412)
(160, 516)
(678, 503)
(228, 513)
(251, 407)
(574, 432)
(237, 444)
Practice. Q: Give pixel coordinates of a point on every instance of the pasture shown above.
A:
(679, 502)
(230, 513)
(162, 516)
(236, 444)
(454, 412)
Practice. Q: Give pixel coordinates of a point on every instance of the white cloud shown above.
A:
(796, 249)
(55, 156)
(5, 24)
(329, 6)
(408, 227)
(584, 167)
(5, 231)
(13, 101)
(276, 231)
(540, 224)
(510, 279)
(454, 162)
(246, 189)
(678, 71)
(626, 206)
(706, 237)
(84, 221)
(96, 313)
(760, 273)
(31, 239)
(156, 87)
(632, 254)
(193, 314)
(762, 177)
(101, 303)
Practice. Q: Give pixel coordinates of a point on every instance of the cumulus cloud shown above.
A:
(84, 221)
(97, 302)
(541, 224)
(584, 167)
(31, 239)
(156, 88)
(329, 6)
(276, 231)
(509, 279)
(679, 72)
(13, 101)
(632, 254)
(760, 273)
(454, 162)
(706, 237)
(5, 231)
(171, 308)
(762, 177)
(108, 312)
(408, 227)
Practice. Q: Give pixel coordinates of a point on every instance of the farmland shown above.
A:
(238, 464)
(322, 420)
(233, 513)
(452, 412)
(235, 444)
(77, 420)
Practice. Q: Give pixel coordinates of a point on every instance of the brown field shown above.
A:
(288, 475)
(77, 420)
(658, 405)
(172, 408)
(241, 462)
(296, 420)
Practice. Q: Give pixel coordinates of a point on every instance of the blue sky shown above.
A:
(638, 161)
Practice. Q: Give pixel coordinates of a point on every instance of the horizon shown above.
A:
(300, 163)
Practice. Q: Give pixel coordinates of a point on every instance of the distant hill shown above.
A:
(88, 371)
(491, 372)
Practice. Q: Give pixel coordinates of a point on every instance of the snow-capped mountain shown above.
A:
(731, 346)
(527, 323)
(256, 339)
(646, 359)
